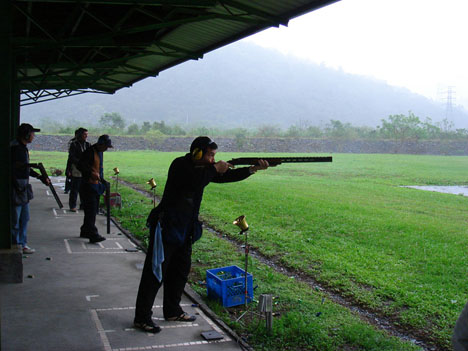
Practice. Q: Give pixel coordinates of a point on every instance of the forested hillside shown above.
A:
(243, 85)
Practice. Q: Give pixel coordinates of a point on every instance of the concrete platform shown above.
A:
(81, 296)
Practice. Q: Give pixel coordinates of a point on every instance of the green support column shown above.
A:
(6, 87)
(11, 264)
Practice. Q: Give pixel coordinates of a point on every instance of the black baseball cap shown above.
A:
(105, 140)
(25, 129)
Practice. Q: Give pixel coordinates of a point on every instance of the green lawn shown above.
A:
(349, 224)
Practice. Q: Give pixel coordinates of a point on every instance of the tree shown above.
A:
(112, 121)
(401, 127)
(338, 129)
(133, 129)
(145, 128)
(268, 131)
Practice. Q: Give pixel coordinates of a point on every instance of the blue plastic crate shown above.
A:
(227, 285)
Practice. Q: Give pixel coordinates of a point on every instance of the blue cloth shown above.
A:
(101, 162)
(158, 253)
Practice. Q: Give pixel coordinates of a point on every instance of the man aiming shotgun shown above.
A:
(174, 227)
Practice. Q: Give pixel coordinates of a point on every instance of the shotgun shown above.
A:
(44, 175)
(274, 161)
(107, 197)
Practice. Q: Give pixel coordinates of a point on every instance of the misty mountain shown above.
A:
(243, 85)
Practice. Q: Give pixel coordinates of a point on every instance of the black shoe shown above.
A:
(148, 327)
(96, 239)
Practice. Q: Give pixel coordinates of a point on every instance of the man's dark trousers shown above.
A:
(90, 201)
(175, 271)
(74, 190)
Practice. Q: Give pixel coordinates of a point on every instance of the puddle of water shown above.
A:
(452, 189)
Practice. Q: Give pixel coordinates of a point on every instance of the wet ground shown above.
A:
(452, 189)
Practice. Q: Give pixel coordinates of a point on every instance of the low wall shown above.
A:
(182, 144)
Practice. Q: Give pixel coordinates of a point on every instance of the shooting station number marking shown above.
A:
(110, 246)
(107, 346)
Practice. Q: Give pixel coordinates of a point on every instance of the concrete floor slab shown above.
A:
(81, 296)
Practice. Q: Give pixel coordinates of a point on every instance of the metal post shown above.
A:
(265, 304)
(246, 266)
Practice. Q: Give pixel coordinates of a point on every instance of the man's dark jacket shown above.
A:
(85, 166)
(75, 151)
(180, 205)
(21, 190)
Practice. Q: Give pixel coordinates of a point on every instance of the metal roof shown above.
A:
(65, 47)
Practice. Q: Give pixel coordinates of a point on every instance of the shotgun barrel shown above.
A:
(273, 161)
(44, 175)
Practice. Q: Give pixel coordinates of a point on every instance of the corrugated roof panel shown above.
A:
(108, 46)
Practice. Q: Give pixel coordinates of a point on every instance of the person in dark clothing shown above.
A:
(21, 189)
(68, 174)
(92, 186)
(75, 150)
(174, 225)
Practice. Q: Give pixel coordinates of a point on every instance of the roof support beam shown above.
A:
(275, 20)
(175, 3)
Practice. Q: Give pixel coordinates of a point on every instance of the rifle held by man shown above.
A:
(45, 176)
(108, 207)
(274, 161)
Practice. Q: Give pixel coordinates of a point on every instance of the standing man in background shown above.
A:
(76, 149)
(68, 167)
(93, 186)
(21, 189)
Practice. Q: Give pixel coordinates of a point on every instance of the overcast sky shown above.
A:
(418, 44)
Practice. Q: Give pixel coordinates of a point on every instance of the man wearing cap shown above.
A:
(174, 227)
(92, 186)
(21, 189)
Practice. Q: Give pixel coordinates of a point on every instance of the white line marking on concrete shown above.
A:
(83, 244)
(99, 252)
(102, 246)
(88, 297)
(47, 192)
(55, 212)
(67, 245)
(185, 325)
(120, 247)
(210, 322)
(153, 347)
(131, 243)
(133, 307)
(101, 331)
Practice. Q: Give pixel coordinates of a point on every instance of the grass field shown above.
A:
(350, 225)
